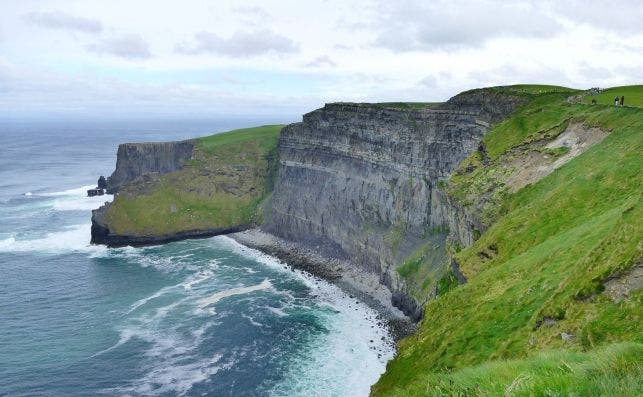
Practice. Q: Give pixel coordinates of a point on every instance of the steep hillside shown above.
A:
(555, 194)
(217, 187)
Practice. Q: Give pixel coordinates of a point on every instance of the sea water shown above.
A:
(194, 318)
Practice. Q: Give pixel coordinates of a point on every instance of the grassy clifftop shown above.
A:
(222, 186)
(553, 302)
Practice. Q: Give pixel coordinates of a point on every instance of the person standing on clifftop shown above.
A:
(615, 101)
(622, 100)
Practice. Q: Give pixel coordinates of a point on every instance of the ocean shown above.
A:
(205, 317)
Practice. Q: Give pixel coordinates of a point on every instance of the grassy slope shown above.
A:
(556, 241)
(221, 187)
(633, 96)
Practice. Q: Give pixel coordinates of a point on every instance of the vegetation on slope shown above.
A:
(222, 186)
(424, 268)
(536, 277)
(633, 96)
(607, 371)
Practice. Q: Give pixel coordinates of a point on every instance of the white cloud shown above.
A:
(417, 26)
(622, 16)
(321, 62)
(128, 46)
(301, 54)
(241, 44)
(59, 20)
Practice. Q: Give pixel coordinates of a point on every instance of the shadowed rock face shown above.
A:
(136, 159)
(359, 181)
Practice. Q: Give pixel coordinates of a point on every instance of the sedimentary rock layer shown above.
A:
(359, 181)
(136, 159)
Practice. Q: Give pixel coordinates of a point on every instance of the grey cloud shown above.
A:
(62, 21)
(428, 82)
(241, 44)
(592, 73)
(321, 62)
(409, 26)
(508, 74)
(251, 11)
(127, 46)
(618, 16)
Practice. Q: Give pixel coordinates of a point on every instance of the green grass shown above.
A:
(547, 252)
(222, 186)
(544, 117)
(633, 96)
(614, 370)
(424, 268)
(532, 89)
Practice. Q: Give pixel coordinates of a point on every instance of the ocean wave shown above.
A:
(80, 203)
(71, 199)
(345, 361)
(173, 361)
(211, 300)
(73, 238)
(77, 191)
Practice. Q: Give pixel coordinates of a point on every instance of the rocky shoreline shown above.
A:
(362, 285)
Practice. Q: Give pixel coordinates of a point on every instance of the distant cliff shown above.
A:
(136, 159)
(188, 189)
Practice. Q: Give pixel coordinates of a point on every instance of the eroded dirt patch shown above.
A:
(541, 161)
(619, 288)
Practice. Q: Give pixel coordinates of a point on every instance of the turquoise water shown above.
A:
(198, 317)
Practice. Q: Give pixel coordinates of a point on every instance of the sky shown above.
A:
(206, 58)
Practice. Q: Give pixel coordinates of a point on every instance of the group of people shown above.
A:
(617, 101)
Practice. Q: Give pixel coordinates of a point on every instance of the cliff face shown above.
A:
(360, 181)
(135, 159)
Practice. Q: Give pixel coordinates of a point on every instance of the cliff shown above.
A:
(188, 189)
(136, 159)
(359, 181)
(508, 216)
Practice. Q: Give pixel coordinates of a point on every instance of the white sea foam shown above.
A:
(80, 203)
(265, 284)
(74, 199)
(173, 363)
(155, 295)
(70, 239)
(174, 378)
(343, 362)
(77, 191)
(199, 278)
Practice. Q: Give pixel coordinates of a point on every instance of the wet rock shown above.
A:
(102, 183)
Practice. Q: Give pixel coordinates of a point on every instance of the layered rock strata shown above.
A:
(360, 182)
(136, 159)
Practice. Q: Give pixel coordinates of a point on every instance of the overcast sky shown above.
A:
(203, 58)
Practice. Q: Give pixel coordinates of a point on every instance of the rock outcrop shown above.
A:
(359, 181)
(136, 159)
(188, 189)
